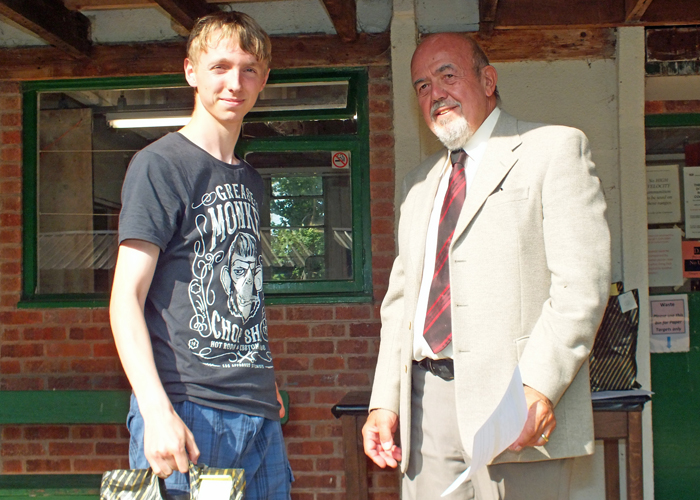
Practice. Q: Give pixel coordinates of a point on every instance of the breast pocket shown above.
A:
(506, 196)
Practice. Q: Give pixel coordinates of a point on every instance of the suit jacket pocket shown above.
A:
(506, 196)
(520, 344)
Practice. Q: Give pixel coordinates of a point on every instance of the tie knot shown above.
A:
(459, 158)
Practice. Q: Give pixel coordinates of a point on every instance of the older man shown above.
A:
(503, 261)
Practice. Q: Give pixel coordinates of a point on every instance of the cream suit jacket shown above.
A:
(530, 277)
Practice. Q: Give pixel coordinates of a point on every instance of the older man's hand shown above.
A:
(540, 421)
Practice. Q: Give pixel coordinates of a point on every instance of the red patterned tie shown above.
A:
(438, 318)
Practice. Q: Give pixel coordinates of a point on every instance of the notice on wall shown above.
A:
(691, 192)
(663, 194)
(665, 263)
(670, 325)
(691, 259)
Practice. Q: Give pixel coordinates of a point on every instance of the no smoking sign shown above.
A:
(341, 159)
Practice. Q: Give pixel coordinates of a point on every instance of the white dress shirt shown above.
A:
(475, 149)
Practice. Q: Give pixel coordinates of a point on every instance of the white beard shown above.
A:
(453, 132)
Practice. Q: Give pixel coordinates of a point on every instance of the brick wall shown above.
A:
(321, 351)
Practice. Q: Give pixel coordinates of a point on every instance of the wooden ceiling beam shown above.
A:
(134, 4)
(487, 16)
(186, 12)
(47, 63)
(343, 14)
(51, 21)
(635, 9)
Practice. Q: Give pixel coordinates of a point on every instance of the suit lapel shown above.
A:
(500, 156)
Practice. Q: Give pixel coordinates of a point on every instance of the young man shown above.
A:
(191, 333)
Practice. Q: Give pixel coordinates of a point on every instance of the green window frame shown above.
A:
(356, 289)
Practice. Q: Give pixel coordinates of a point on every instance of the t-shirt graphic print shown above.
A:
(205, 309)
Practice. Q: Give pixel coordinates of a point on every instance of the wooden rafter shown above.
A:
(186, 12)
(51, 21)
(343, 14)
(487, 16)
(309, 51)
(635, 9)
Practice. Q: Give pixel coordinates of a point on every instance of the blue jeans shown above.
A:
(226, 440)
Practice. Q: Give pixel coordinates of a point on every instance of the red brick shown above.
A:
(68, 316)
(23, 450)
(95, 432)
(381, 123)
(11, 120)
(285, 331)
(330, 464)
(274, 313)
(95, 365)
(11, 284)
(309, 313)
(329, 397)
(11, 155)
(10, 334)
(315, 481)
(11, 204)
(9, 367)
(310, 448)
(353, 312)
(310, 347)
(382, 192)
(362, 363)
(384, 174)
(22, 384)
(379, 106)
(329, 330)
(382, 261)
(383, 243)
(329, 363)
(97, 465)
(299, 396)
(381, 158)
(38, 432)
(55, 333)
(114, 449)
(301, 464)
(20, 317)
(379, 89)
(11, 137)
(10, 103)
(381, 140)
(382, 226)
(22, 350)
(364, 330)
(353, 346)
(316, 380)
(309, 413)
(46, 366)
(91, 333)
(9, 300)
(379, 72)
(12, 467)
(11, 432)
(296, 430)
(10, 220)
(291, 364)
(353, 380)
(105, 350)
(10, 186)
(328, 429)
(71, 449)
(69, 349)
(69, 382)
(100, 316)
(48, 465)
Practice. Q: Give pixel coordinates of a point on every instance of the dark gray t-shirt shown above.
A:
(205, 309)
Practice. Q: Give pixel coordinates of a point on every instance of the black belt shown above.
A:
(443, 368)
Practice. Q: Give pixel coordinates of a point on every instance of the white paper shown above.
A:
(670, 323)
(499, 431)
(214, 487)
(691, 191)
(663, 194)
(665, 253)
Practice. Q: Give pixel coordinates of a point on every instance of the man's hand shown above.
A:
(378, 438)
(279, 400)
(168, 443)
(540, 421)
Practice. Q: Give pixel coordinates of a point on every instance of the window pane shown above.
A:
(292, 128)
(81, 165)
(303, 96)
(307, 216)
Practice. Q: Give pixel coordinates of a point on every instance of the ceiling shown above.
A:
(33, 32)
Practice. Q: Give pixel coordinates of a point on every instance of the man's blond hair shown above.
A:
(209, 30)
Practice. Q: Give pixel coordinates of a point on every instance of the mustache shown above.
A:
(443, 102)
